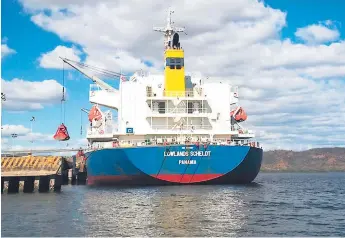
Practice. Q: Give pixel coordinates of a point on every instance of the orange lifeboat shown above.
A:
(240, 114)
(95, 114)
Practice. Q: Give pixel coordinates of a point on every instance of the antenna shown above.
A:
(169, 30)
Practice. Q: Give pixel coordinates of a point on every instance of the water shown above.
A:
(279, 204)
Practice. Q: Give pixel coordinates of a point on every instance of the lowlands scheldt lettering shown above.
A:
(187, 153)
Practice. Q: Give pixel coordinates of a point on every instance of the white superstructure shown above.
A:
(148, 112)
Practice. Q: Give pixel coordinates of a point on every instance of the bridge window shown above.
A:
(161, 107)
(173, 63)
(178, 62)
(190, 107)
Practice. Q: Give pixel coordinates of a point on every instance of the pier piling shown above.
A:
(81, 178)
(29, 184)
(72, 176)
(64, 175)
(57, 183)
(44, 183)
(13, 185)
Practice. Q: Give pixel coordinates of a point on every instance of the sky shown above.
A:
(287, 57)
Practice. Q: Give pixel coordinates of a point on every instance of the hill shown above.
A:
(319, 159)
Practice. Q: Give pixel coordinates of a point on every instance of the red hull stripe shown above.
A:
(177, 178)
(187, 178)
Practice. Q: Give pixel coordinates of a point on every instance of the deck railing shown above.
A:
(181, 127)
(175, 94)
(192, 111)
(112, 128)
(108, 129)
(95, 88)
(169, 141)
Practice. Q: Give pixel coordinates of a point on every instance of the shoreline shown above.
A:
(301, 171)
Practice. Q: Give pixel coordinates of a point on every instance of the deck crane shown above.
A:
(103, 94)
(107, 95)
(101, 83)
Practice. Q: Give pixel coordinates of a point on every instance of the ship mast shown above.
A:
(169, 29)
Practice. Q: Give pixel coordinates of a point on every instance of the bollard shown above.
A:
(2, 185)
(44, 184)
(29, 184)
(13, 185)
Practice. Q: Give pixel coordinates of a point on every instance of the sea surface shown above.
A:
(278, 204)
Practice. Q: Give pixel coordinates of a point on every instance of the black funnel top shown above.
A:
(176, 42)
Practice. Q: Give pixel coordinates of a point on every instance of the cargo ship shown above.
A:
(171, 128)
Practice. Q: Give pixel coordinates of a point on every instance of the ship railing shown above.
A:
(166, 140)
(141, 73)
(180, 110)
(176, 94)
(96, 88)
(103, 130)
(180, 127)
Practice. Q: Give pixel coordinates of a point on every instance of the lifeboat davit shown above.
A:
(95, 114)
(61, 133)
(239, 114)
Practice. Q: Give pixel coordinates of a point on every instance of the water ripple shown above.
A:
(284, 204)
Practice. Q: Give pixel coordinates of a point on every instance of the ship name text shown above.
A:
(187, 153)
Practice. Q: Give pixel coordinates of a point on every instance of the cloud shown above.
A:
(5, 50)
(123, 47)
(318, 33)
(24, 95)
(8, 130)
(26, 140)
(23, 135)
(52, 59)
(292, 92)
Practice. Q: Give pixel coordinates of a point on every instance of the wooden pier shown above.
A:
(30, 173)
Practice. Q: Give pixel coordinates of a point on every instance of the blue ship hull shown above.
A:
(175, 164)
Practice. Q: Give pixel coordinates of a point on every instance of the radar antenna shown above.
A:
(169, 30)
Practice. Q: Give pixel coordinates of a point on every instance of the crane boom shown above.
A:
(85, 110)
(98, 81)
